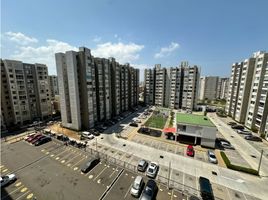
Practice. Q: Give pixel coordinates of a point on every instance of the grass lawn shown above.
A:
(156, 122)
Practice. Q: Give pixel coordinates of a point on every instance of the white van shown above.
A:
(87, 135)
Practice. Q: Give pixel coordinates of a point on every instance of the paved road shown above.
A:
(247, 184)
(242, 146)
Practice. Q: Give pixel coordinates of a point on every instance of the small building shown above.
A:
(195, 129)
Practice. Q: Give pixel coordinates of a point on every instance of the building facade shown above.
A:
(208, 88)
(54, 87)
(174, 87)
(93, 89)
(222, 90)
(247, 95)
(25, 93)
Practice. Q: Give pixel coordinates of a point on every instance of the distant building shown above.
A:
(247, 95)
(222, 90)
(54, 87)
(25, 93)
(208, 87)
(94, 89)
(175, 87)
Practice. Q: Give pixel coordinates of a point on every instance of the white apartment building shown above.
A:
(25, 93)
(222, 91)
(247, 96)
(174, 87)
(191, 77)
(93, 89)
(257, 106)
(208, 87)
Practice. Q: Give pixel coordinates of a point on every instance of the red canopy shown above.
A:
(172, 130)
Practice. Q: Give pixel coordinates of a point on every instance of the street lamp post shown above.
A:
(259, 167)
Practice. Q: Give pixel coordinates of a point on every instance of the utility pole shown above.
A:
(260, 162)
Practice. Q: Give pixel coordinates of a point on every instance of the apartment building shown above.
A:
(25, 93)
(174, 87)
(149, 86)
(208, 87)
(257, 105)
(190, 87)
(54, 87)
(93, 89)
(222, 90)
(247, 94)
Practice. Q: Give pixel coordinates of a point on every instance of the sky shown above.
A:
(211, 34)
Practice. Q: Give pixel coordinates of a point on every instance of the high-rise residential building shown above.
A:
(208, 87)
(174, 87)
(149, 86)
(257, 105)
(190, 86)
(247, 95)
(54, 87)
(93, 89)
(222, 90)
(25, 92)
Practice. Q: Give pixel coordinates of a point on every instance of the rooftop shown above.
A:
(201, 120)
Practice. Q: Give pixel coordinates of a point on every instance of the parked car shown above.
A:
(190, 151)
(253, 138)
(90, 164)
(32, 137)
(237, 127)
(150, 191)
(142, 166)
(244, 132)
(28, 137)
(36, 139)
(226, 145)
(87, 135)
(212, 157)
(205, 188)
(152, 170)
(42, 141)
(231, 123)
(7, 179)
(137, 186)
(133, 124)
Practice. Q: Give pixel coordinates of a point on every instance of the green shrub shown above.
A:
(236, 167)
(263, 135)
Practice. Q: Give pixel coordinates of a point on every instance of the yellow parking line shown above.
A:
(5, 170)
(2, 198)
(24, 189)
(1, 166)
(22, 195)
(78, 162)
(29, 196)
(18, 184)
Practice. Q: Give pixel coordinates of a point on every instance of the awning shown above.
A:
(171, 130)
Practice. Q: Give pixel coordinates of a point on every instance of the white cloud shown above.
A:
(96, 39)
(20, 38)
(165, 51)
(121, 52)
(43, 54)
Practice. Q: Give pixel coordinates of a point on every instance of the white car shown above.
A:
(152, 170)
(212, 157)
(5, 180)
(87, 135)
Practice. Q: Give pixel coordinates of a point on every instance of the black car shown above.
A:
(150, 190)
(205, 188)
(142, 166)
(240, 127)
(133, 124)
(90, 164)
(231, 123)
(253, 138)
(42, 141)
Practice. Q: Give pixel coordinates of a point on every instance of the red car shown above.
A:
(190, 151)
(32, 137)
(36, 138)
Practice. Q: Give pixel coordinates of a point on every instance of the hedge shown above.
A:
(236, 167)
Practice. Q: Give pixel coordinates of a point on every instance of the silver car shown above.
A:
(152, 170)
(212, 157)
(137, 186)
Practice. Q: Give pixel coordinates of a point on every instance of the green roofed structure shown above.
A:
(193, 119)
(195, 129)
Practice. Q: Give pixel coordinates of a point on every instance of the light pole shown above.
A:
(260, 162)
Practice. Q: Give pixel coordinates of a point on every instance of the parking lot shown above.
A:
(52, 171)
